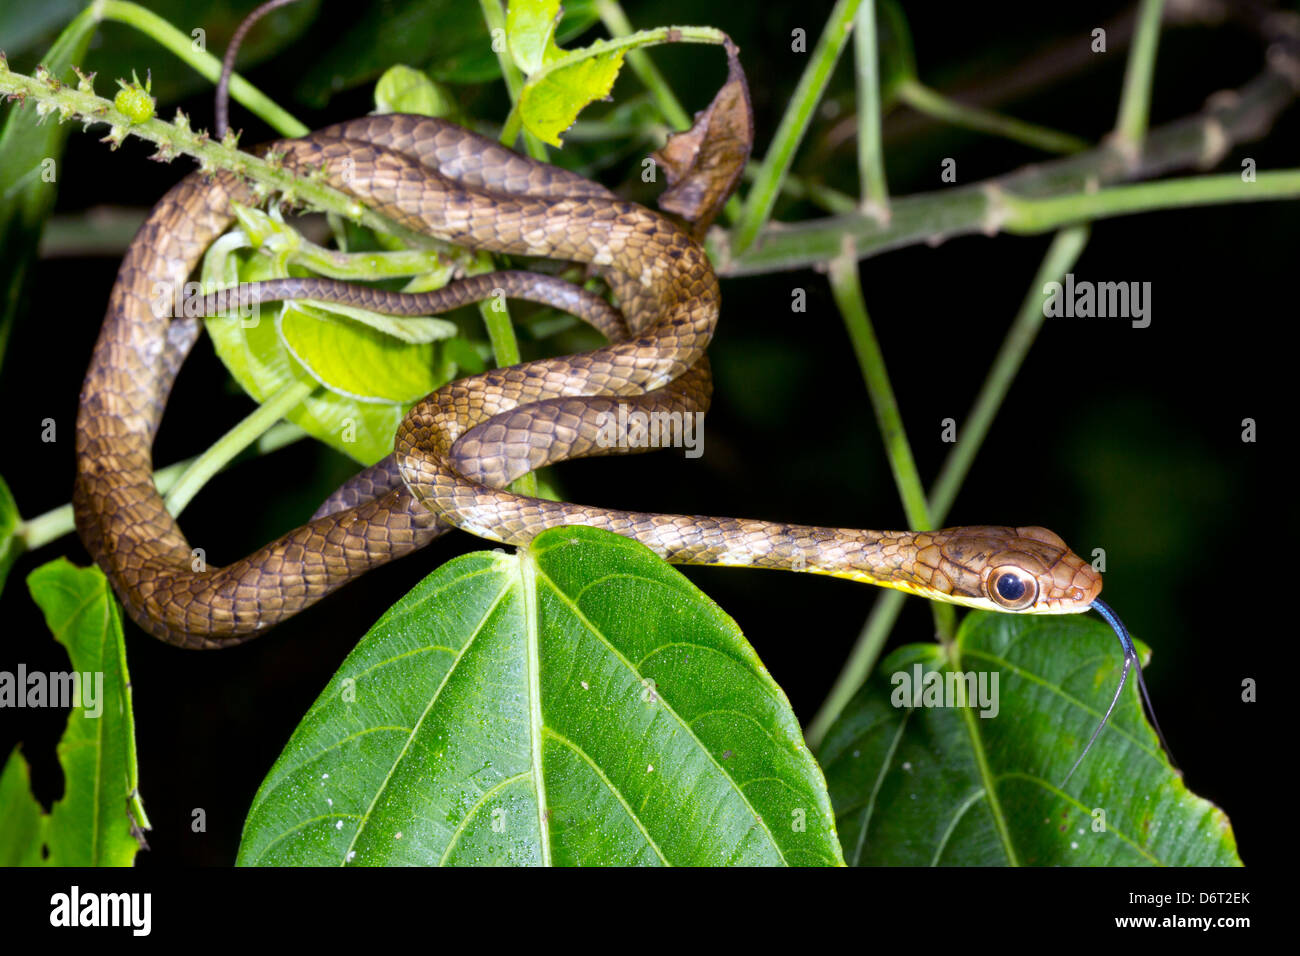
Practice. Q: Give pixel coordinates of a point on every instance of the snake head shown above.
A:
(1026, 570)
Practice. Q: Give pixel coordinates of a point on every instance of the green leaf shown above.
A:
(551, 105)
(941, 785)
(370, 360)
(551, 100)
(530, 32)
(447, 38)
(371, 376)
(579, 702)
(10, 544)
(92, 824)
(403, 89)
(21, 818)
(411, 330)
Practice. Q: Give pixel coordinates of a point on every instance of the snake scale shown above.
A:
(458, 448)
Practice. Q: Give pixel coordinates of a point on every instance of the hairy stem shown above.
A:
(177, 138)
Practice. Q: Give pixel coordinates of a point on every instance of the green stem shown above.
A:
(847, 289)
(1024, 215)
(511, 127)
(44, 528)
(495, 18)
(631, 42)
(988, 209)
(500, 329)
(624, 124)
(102, 232)
(41, 530)
(925, 100)
(1060, 258)
(618, 25)
(1135, 100)
(1195, 140)
(858, 667)
(871, 150)
(204, 63)
(505, 352)
(797, 187)
(235, 441)
(626, 43)
(793, 125)
(177, 138)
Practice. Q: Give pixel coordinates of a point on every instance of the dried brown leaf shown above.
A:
(704, 163)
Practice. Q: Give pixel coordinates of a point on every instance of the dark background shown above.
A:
(1114, 437)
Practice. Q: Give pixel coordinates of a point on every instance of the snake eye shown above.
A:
(1011, 588)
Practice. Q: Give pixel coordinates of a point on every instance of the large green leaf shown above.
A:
(941, 785)
(95, 821)
(579, 702)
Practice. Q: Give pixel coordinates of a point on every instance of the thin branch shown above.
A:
(925, 100)
(616, 22)
(1060, 258)
(234, 442)
(794, 123)
(1200, 140)
(874, 191)
(176, 138)
(1135, 100)
(847, 290)
(203, 63)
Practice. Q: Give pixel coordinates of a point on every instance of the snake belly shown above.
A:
(458, 448)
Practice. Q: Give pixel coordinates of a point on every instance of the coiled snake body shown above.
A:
(459, 448)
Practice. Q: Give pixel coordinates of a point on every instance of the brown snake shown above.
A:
(460, 446)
